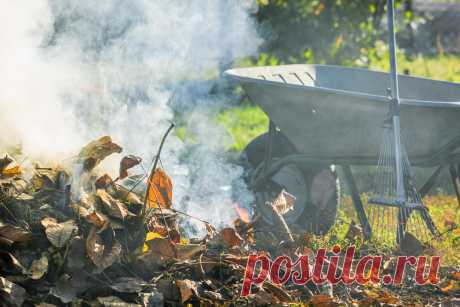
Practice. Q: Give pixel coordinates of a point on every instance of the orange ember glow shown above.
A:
(242, 213)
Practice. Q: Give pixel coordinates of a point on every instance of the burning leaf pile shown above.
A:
(105, 245)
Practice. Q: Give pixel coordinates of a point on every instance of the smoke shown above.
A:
(72, 71)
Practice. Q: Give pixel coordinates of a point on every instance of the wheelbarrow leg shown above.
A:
(455, 175)
(425, 189)
(358, 204)
(269, 145)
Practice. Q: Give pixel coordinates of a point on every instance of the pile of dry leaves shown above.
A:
(74, 238)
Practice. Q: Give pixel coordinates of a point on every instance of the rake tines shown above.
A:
(394, 212)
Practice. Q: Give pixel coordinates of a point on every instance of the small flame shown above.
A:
(242, 213)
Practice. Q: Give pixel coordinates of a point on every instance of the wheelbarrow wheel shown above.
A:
(316, 188)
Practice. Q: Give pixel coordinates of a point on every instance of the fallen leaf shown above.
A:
(113, 301)
(126, 163)
(187, 251)
(11, 292)
(9, 263)
(211, 231)
(128, 285)
(128, 196)
(231, 237)
(284, 202)
(112, 206)
(102, 254)
(39, 267)
(103, 182)
(187, 289)
(381, 296)
(215, 296)
(150, 236)
(278, 292)
(154, 298)
(11, 172)
(161, 248)
(4, 162)
(449, 220)
(93, 153)
(263, 298)
(14, 233)
(97, 219)
(160, 190)
(321, 300)
(59, 233)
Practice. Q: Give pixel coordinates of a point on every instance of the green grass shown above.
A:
(244, 124)
(439, 68)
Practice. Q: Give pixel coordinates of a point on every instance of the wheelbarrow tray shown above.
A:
(336, 112)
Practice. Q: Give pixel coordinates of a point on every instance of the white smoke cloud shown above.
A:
(72, 71)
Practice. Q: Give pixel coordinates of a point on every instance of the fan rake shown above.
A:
(396, 208)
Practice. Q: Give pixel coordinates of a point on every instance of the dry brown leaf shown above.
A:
(128, 196)
(321, 300)
(187, 251)
(161, 247)
(284, 202)
(88, 201)
(381, 296)
(187, 289)
(231, 237)
(44, 178)
(59, 233)
(126, 163)
(9, 263)
(80, 211)
(102, 254)
(39, 267)
(12, 293)
(103, 182)
(4, 242)
(263, 298)
(11, 172)
(112, 206)
(93, 153)
(4, 162)
(97, 219)
(211, 231)
(112, 301)
(91, 215)
(449, 220)
(14, 233)
(160, 190)
(278, 292)
(241, 260)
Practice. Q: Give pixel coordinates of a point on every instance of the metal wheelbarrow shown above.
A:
(323, 115)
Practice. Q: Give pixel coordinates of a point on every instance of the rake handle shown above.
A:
(395, 102)
(393, 61)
